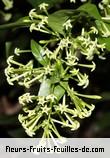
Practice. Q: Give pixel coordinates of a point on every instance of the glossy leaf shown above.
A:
(91, 9)
(57, 19)
(59, 92)
(38, 53)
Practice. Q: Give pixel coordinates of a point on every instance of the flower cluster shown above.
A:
(57, 102)
(25, 75)
(89, 47)
(39, 20)
(48, 113)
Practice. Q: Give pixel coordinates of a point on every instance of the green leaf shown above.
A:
(22, 22)
(91, 9)
(59, 92)
(105, 40)
(38, 53)
(57, 19)
(45, 88)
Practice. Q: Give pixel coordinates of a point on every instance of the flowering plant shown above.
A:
(64, 59)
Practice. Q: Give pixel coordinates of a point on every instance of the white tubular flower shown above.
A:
(90, 47)
(101, 6)
(26, 98)
(91, 50)
(91, 107)
(74, 72)
(62, 107)
(67, 25)
(64, 43)
(8, 4)
(31, 113)
(106, 18)
(48, 53)
(43, 6)
(16, 51)
(71, 60)
(39, 27)
(92, 67)
(79, 114)
(41, 100)
(6, 16)
(32, 27)
(73, 123)
(94, 30)
(32, 13)
(21, 74)
(86, 113)
(48, 70)
(28, 81)
(9, 80)
(10, 60)
(29, 132)
(29, 123)
(45, 19)
(22, 118)
(8, 71)
(83, 80)
(51, 98)
(46, 109)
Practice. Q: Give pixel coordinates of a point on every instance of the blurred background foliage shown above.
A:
(98, 125)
